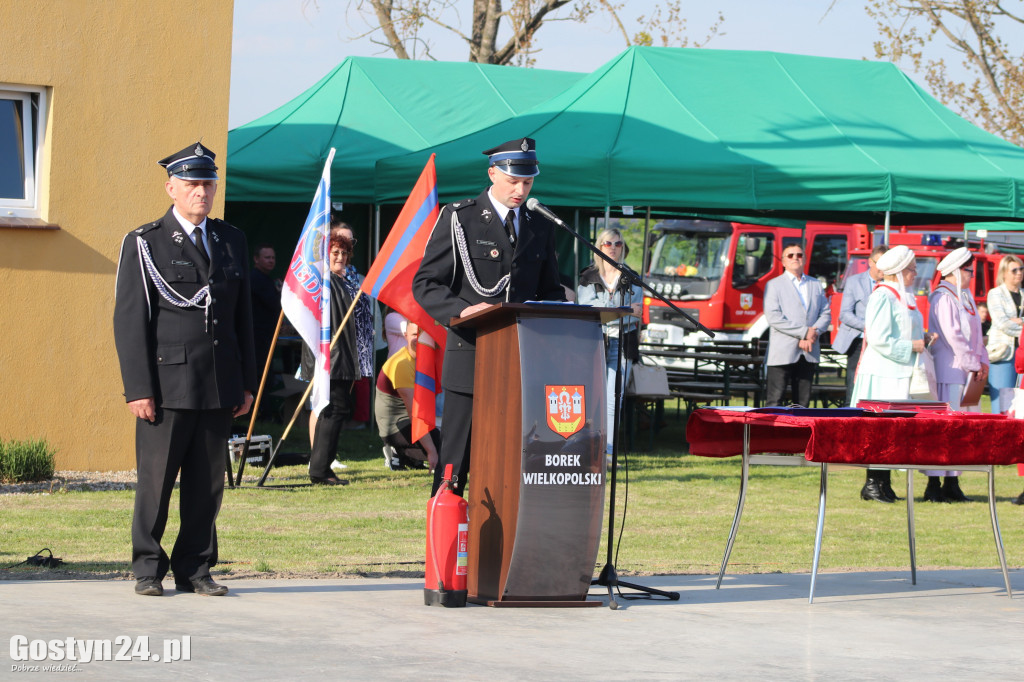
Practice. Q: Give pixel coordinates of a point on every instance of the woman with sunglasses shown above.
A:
(601, 285)
(1004, 306)
(958, 350)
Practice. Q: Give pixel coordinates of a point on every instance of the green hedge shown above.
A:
(25, 460)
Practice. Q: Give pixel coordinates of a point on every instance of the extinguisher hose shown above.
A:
(430, 535)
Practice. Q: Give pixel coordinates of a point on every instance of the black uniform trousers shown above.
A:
(456, 438)
(328, 428)
(852, 359)
(192, 441)
(797, 376)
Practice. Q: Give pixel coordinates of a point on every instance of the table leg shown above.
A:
(821, 528)
(739, 504)
(995, 528)
(911, 533)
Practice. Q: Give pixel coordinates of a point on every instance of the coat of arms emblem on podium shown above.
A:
(567, 408)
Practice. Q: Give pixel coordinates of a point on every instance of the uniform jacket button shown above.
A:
(216, 342)
(215, 320)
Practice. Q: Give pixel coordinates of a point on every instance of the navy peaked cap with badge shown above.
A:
(194, 162)
(516, 157)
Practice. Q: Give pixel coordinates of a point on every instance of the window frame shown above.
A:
(34, 102)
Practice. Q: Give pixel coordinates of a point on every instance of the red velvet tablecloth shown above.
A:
(922, 438)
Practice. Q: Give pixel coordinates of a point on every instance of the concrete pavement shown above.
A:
(954, 624)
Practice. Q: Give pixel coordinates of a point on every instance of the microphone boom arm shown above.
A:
(626, 272)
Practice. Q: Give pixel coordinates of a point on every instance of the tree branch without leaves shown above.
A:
(993, 94)
(401, 23)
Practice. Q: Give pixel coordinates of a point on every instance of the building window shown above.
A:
(22, 128)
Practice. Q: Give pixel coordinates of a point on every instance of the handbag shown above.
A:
(648, 380)
(922, 378)
(998, 351)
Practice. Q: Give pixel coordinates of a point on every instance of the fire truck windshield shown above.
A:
(925, 273)
(692, 255)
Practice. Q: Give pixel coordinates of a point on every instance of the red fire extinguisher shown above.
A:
(447, 555)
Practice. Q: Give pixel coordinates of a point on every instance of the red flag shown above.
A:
(428, 385)
(389, 280)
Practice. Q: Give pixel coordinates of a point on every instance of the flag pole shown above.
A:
(256, 403)
(309, 389)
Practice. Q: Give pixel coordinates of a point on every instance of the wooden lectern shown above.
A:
(536, 490)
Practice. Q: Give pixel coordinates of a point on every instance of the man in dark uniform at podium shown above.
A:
(183, 331)
(483, 251)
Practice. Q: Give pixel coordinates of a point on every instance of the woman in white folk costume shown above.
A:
(893, 337)
(959, 349)
(1005, 306)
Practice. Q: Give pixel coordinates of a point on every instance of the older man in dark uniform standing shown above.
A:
(483, 251)
(183, 331)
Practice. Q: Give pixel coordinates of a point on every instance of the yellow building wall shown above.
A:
(130, 82)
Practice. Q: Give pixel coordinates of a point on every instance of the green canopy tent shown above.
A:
(369, 108)
(747, 134)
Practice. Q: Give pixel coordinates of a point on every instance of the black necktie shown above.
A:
(200, 245)
(510, 226)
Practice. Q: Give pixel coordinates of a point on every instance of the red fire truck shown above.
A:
(929, 249)
(717, 271)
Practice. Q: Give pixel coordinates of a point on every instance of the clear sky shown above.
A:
(282, 47)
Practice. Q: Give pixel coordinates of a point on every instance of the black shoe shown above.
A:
(149, 587)
(951, 490)
(328, 480)
(889, 492)
(1017, 500)
(202, 585)
(933, 491)
(872, 490)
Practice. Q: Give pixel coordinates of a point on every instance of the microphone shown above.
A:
(534, 205)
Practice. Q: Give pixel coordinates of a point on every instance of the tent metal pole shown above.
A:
(576, 251)
(378, 316)
(887, 228)
(643, 247)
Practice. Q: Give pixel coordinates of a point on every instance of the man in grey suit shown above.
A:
(850, 337)
(797, 313)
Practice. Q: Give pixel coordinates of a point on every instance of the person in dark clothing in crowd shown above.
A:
(266, 301)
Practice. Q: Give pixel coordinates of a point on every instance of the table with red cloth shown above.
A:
(883, 440)
(934, 439)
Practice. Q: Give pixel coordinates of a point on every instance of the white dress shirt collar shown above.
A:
(190, 228)
(502, 210)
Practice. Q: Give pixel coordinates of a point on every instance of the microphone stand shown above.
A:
(608, 576)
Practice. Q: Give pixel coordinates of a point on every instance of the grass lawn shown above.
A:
(678, 512)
